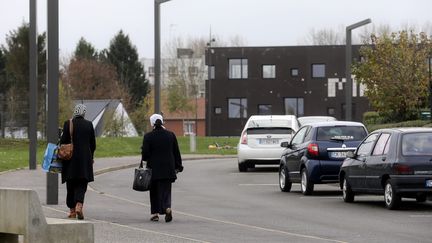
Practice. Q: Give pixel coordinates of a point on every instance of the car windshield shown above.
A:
(268, 123)
(417, 144)
(341, 133)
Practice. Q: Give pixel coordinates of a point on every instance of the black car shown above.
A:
(394, 162)
(316, 152)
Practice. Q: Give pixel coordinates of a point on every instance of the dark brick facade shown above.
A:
(317, 97)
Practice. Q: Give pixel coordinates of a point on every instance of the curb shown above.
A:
(115, 168)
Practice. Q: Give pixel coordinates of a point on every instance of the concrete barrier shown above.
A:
(21, 214)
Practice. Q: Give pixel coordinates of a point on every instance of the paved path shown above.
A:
(106, 229)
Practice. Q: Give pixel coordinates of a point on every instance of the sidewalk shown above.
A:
(106, 230)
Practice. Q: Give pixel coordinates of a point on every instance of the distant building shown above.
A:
(187, 123)
(291, 80)
(109, 118)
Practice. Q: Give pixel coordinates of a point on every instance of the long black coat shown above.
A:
(80, 166)
(160, 150)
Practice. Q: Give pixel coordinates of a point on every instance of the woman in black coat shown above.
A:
(78, 171)
(161, 152)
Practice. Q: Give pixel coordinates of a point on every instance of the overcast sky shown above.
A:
(258, 22)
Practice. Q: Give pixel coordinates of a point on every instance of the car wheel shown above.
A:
(421, 198)
(306, 185)
(391, 198)
(242, 167)
(284, 183)
(347, 193)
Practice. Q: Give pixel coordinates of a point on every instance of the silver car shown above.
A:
(261, 138)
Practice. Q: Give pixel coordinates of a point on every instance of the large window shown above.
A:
(269, 71)
(238, 68)
(188, 127)
(237, 108)
(318, 71)
(294, 106)
(212, 72)
(151, 71)
(264, 109)
(172, 71)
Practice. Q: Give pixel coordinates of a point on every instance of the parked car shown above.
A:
(394, 162)
(312, 119)
(316, 152)
(261, 138)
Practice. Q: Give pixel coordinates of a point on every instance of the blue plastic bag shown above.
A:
(50, 162)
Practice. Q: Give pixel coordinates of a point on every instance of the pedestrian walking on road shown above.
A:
(161, 152)
(78, 171)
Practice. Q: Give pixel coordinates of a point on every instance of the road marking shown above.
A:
(133, 228)
(258, 184)
(224, 221)
(421, 216)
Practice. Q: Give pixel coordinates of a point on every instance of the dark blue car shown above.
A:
(316, 152)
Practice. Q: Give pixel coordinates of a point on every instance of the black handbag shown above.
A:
(142, 178)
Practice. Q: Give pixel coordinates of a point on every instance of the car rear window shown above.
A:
(341, 133)
(273, 130)
(269, 123)
(417, 144)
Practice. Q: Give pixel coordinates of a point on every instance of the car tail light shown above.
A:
(313, 149)
(403, 169)
(244, 138)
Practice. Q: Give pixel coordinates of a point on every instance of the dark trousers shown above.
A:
(160, 196)
(76, 190)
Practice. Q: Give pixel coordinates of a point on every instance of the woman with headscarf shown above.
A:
(161, 152)
(78, 171)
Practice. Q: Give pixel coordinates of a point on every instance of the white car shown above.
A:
(261, 138)
(312, 119)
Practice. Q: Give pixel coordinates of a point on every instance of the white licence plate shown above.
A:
(428, 183)
(268, 141)
(338, 154)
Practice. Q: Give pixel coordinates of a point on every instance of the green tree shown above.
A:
(85, 50)
(65, 103)
(124, 56)
(395, 72)
(16, 71)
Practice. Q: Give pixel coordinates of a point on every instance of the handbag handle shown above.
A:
(141, 164)
(71, 130)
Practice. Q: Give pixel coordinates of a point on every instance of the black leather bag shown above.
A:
(142, 179)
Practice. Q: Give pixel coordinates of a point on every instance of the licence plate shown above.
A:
(268, 141)
(428, 183)
(338, 154)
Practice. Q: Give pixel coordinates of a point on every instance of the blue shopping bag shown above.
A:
(50, 162)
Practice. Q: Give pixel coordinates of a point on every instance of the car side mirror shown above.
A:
(350, 154)
(285, 144)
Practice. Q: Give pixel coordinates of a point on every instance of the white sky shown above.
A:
(258, 22)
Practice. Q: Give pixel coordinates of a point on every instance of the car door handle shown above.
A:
(383, 158)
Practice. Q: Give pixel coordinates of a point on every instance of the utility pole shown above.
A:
(33, 98)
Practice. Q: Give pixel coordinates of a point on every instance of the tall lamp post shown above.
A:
(157, 61)
(32, 131)
(209, 78)
(348, 60)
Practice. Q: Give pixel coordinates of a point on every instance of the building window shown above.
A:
(331, 111)
(212, 72)
(237, 108)
(188, 127)
(264, 109)
(193, 71)
(151, 71)
(269, 71)
(294, 106)
(218, 110)
(238, 68)
(294, 72)
(172, 71)
(318, 71)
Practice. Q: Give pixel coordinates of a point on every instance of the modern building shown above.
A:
(297, 80)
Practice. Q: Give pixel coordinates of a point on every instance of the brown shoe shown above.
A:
(168, 215)
(79, 211)
(72, 213)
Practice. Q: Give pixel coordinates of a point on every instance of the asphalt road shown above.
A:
(213, 202)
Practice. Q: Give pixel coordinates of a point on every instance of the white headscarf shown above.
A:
(155, 117)
(80, 110)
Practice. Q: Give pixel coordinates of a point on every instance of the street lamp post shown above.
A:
(209, 77)
(157, 61)
(33, 98)
(348, 60)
